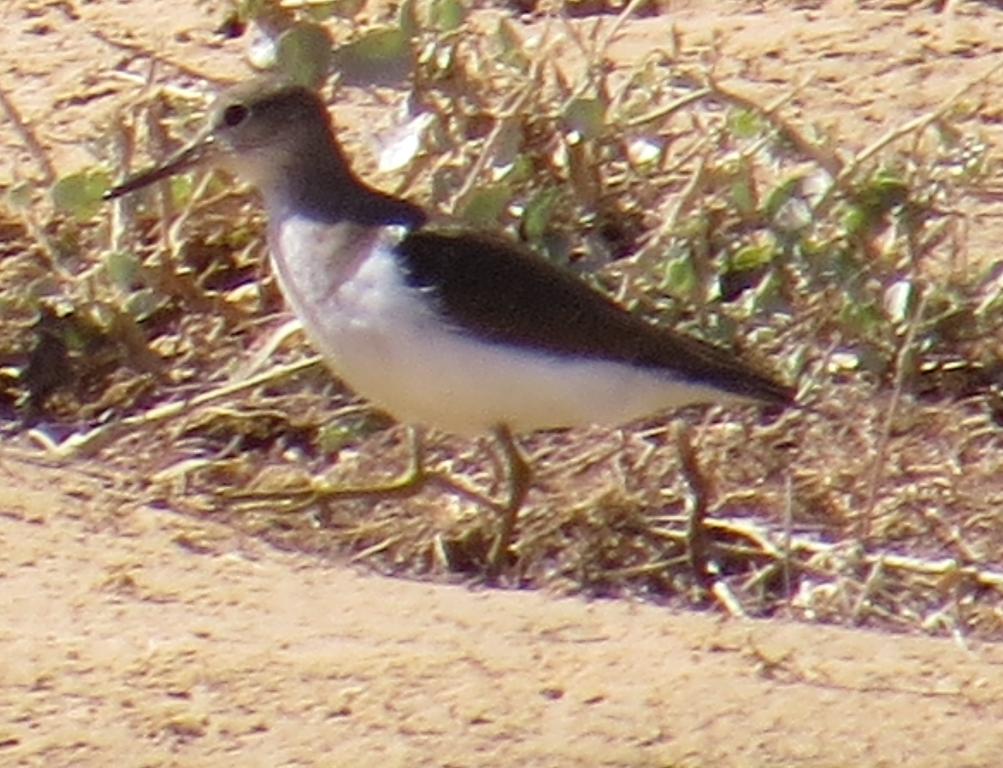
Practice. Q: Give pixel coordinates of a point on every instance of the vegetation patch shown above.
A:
(148, 335)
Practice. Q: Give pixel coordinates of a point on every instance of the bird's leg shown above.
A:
(517, 478)
(415, 478)
(410, 482)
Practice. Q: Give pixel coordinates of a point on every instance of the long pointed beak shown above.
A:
(191, 156)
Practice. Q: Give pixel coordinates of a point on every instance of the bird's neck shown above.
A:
(322, 186)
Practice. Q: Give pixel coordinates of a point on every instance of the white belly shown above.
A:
(382, 338)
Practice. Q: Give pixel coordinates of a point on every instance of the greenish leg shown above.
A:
(518, 477)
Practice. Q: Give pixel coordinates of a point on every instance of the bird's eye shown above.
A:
(234, 115)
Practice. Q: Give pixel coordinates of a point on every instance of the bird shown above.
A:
(462, 330)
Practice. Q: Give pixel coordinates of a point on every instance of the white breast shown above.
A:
(386, 341)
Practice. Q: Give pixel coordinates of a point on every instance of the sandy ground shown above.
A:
(138, 636)
(141, 637)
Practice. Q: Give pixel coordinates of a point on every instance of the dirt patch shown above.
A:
(143, 635)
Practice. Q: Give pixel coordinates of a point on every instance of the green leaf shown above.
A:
(586, 116)
(768, 297)
(680, 278)
(79, 194)
(873, 199)
(856, 220)
(345, 9)
(883, 192)
(143, 303)
(408, 19)
(19, 196)
(485, 207)
(536, 217)
(381, 57)
(745, 124)
(252, 9)
(511, 45)
(751, 257)
(122, 268)
(337, 435)
(447, 15)
(304, 54)
(333, 437)
(522, 170)
(863, 319)
(743, 195)
(779, 195)
(182, 188)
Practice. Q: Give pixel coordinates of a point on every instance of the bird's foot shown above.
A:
(412, 482)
